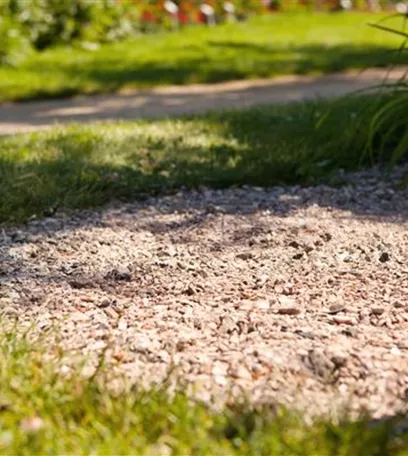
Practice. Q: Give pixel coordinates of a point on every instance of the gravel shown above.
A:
(291, 294)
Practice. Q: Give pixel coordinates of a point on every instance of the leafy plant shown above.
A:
(377, 130)
(388, 132)
(49, 22)
(14, 45)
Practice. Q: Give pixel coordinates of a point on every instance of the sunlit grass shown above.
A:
(262, 47)
(81, 166)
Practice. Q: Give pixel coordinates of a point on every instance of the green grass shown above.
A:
(262, 47)
(87, 166)
(46, 412)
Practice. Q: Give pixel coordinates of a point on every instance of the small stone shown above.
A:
(319, 363)
(244, 256)
(240, 372)
(289, 310)
(87, 298)
(339, 359)
(344, 320)
(119, 274)
(111, 313)
(104, 303)
(97, 345)
(78, 317)
(219, 369)
(262, 304)
(395, 351)
(294, 244)
(190, 291)
(336, 308)
(343, 389)
(385, 256)
(248, 304)
(122, 325)
(298, 256)
(287, 301)
(377, 310)
(349, 332)
(78, 284)
(308, 248)
(305, 333)
(228, 325)
(326, 237)
(119, 355)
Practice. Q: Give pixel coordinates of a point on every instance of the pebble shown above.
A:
(385, 256)
(344, 320)
(104, 303)
(244, 256)
(289, 310)
(336, 308)
(111, 313)
(240, 372)
(78, 317)
(377, 310)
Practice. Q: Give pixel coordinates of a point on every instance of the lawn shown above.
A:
(47, 408)
(82, 166)
(262, 47)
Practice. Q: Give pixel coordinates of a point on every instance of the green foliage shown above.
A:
(50, 22)
(388, 126)
(48, 406)
(379, 131)
(264, 46)
(14, 46)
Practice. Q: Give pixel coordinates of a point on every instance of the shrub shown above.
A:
(14, 45)
(49, 22)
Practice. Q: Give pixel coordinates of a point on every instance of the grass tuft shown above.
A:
(80, 166)
(45, 411)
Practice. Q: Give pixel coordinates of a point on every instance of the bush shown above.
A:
(49, 22)
(14, 45)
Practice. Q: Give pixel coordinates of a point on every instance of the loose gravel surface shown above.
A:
(291, 294)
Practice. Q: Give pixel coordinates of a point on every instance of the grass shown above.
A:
(262, 47)
(47, 411)
(84, 166)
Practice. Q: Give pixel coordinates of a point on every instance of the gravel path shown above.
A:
(177, 100)
(296, 294)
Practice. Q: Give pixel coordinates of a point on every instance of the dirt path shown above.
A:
(291, 294)
(162, 102)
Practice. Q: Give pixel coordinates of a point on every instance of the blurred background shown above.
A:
(94, 46)
(47, 22)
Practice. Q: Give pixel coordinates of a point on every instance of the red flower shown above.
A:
(148, 16)
(183, 17)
